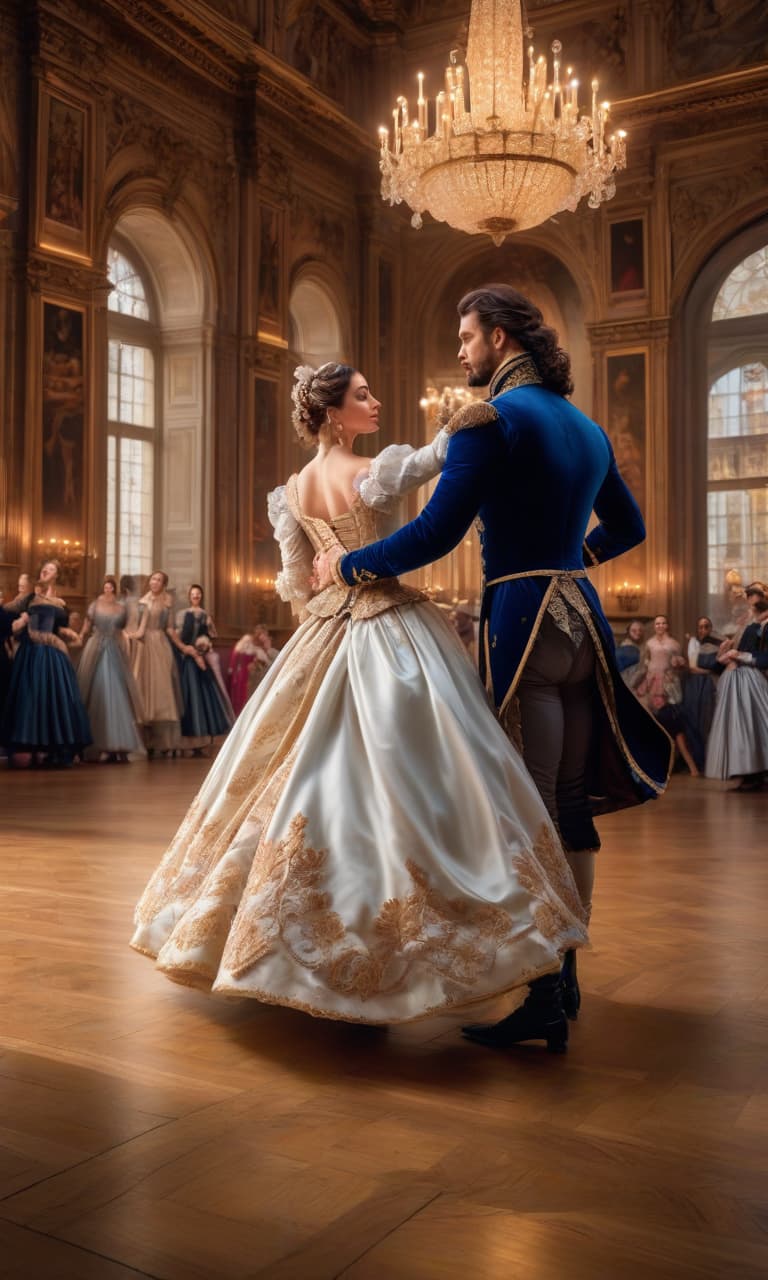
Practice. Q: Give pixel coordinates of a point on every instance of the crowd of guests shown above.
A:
(712, 697)
(136, 677)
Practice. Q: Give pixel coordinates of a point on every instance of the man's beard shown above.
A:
(482, 376)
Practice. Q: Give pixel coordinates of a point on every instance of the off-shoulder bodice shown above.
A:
(392, 473)
(109, 618)
(47, 616)
(354, 528)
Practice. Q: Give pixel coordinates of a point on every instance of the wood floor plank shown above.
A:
(147, 1130)
(460, 1238)
(27, 1255)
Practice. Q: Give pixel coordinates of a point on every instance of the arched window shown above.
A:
(129, 296)
(315, 325)
(737, 422)
(745, 291)
(132, 425)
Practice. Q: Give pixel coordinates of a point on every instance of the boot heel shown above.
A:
(557, 1042)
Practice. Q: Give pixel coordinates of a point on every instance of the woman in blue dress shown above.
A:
(10, 612)
(738, 742)
(700, 687)
(44, 712)
(106, 682)
(206, 714)
(629, 650)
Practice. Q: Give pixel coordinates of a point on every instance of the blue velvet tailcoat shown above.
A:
(531, 468)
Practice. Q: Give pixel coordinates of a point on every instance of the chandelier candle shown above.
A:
(517, 154)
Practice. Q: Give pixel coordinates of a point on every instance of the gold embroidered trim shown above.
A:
(337, 576)
(533, 637)
(518, 371)
(590, 552)
(422, 926)
(511, 722)
(44, 599)
(206, 833)
(316, 1011)
(574, 597)
(457, 939)
(46, 637)
(538, 573)
(360, 603)
(605, 685)
(487, 652)
(190, 974)
(477, 414)
(564, 581)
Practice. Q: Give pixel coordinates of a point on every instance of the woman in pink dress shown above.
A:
(248, 662)
(659, 686)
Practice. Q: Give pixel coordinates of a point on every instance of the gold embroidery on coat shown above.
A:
(477, 414)
(518, 371)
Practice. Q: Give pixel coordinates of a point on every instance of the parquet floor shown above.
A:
(146, 1130)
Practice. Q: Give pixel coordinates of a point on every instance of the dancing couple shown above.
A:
(370, 845)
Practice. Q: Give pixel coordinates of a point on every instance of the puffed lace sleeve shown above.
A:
(398, 469)
(296, 554)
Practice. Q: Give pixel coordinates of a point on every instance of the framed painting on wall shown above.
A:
(627, 257)
(626, 401)
(63, 186)
(270, 272)
(63, 422)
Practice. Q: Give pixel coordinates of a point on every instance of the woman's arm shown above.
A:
(474, 454)
(398, 469)
(293, 583)
(140, 631)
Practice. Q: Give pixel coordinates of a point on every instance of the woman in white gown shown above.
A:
(368, 845)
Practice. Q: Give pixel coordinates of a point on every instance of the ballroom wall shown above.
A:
(231, 147)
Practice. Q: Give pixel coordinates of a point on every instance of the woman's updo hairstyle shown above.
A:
(315, 391)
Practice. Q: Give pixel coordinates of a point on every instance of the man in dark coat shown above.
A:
(530, 468)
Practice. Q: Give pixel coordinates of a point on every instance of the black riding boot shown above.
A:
(541, 1017)
(570, 986)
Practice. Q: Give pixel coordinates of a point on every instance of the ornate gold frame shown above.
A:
(51, 234)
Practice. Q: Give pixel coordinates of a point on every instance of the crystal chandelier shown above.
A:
(519, 153)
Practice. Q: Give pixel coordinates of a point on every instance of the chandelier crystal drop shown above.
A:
(521, 150)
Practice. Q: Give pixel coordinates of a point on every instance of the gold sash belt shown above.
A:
(539, 573)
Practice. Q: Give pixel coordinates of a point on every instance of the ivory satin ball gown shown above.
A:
(368, 845)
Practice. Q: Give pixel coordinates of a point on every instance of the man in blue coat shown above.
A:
(529, 468)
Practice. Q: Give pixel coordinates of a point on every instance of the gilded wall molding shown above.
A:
(67, 278)
(63, 46)
(170, 29)
(175, 158)
(262, 357)
(310, 222)
(627, 332)
(698, 205)
(702, 99)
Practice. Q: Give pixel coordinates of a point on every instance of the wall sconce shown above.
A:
(628, 595)
(69, 554)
